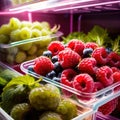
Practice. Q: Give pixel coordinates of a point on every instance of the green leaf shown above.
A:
(98, 35)
(23, 80)
(3, 82)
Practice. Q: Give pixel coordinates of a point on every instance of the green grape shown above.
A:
(31, 57)
(12, 50)
(4, 38)
(44, 43)
(49, 115)
(37, 25)
(15, 35)
(40, 51)
(14, 23)
(25, 47)
(10, 58)
(20, 57)
(26, 24)
(5, 29)
(36, 33)
(45, 32)
(25, 33)
(46, 97)
(19, 111)
(46, 25)
(67, 109)
(32, 50)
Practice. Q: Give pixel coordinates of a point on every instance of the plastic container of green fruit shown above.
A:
(83, 112)
(19, 51)
(92, 100)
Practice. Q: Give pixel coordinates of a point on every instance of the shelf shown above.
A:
(64, 6)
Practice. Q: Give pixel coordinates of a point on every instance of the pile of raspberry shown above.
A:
(85, 67)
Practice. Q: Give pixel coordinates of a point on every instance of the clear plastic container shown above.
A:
(23, 50)
(93, 100)
(84, 112)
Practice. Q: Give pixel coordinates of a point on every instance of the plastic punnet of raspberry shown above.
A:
(46, 97)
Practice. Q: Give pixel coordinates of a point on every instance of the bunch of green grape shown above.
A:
(16, 30)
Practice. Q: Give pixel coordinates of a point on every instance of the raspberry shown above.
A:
(76, 45)
(88, 65)
(68, 58)
(104, 75)
(115, 69)
(67, 77)
(109, 107)
(116, 76)
(98, 86)
(114, 59)
(55, 47)
(83, 82)
(100, 55)
(43, 65)
(92, 45)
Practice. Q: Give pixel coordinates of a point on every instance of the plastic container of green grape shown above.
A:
(81, 113)
(19, 51)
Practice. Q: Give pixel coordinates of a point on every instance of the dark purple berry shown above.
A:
(54, 59)
(57, 67)
(51, 74)
(30, 69)
(87, 52)
(47, 54)
(109, 50)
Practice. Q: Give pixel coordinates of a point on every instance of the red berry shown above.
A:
(55, 47)
(116, 76)
(115, 69)
(100, 55)
(104, 75)
(98, 86)
(43, 65)
(67, 77)
(68, 58)
(88, 65)
(114, 60)
(109, 107)
(76, 45)
(84, 83)
(92, 45)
